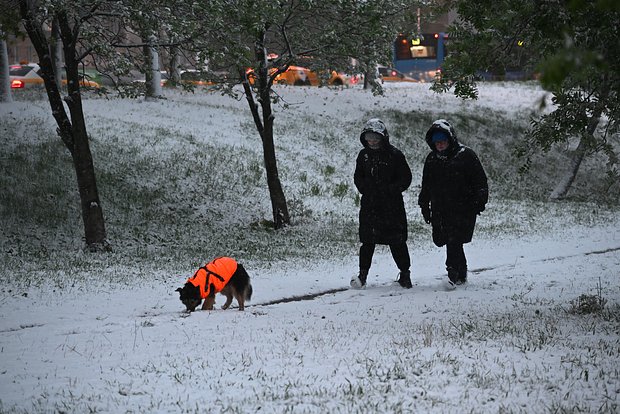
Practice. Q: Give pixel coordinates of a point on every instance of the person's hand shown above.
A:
(426, 213)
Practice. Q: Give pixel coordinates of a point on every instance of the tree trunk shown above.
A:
(5, 80)
(279, 206)
(92, 213)
(278, 200)
(56, 53)
(153, 75)
(370, 78)
(563, 186)
(72, 130)
(174, 73)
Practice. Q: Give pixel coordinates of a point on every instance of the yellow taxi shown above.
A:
(26, 76)
(299, 76)
(85, 83)
(194, 77)
(392, 75)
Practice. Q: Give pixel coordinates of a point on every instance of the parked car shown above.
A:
(194, 77)
(392, 75)
(164, 77)
(138, 79)
(26, 76)
(84, 82)
(300, 76)
(98, 77)
(294, 75)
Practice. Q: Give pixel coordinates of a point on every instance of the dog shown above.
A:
(222, 275)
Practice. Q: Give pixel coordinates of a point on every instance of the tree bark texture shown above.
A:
(5, 80)
(153, 74)
(72, 130)
(56, 52)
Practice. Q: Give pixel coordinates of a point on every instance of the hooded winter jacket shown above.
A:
(454, 186)
(214, 274)
(381, 176)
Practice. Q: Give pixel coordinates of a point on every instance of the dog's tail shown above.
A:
(241, 281)
(248, 292)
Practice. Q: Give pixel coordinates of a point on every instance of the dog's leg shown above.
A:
(240, 300)
(229, 298)
(228, 291)
(209, 301)
(208, 304)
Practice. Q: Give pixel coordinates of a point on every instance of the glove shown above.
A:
(426, 213)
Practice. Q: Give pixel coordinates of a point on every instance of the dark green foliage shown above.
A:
(574, 48)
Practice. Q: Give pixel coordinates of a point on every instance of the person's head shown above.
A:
(441, 136)
(373, 139)
(374, 134)
(440, 140)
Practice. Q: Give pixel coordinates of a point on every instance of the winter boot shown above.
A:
(461, 276)
(453, 276)
(359, 281)
(404, 279)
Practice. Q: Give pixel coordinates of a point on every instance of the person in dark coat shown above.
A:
(381, 176)
(454, 191)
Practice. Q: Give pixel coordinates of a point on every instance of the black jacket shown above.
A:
(381, 176)
(454, 186)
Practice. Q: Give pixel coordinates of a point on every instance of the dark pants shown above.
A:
(456, 263)
(400, 253)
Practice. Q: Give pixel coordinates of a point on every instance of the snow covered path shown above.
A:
(504, 341)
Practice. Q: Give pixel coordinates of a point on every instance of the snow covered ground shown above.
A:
(515, 338)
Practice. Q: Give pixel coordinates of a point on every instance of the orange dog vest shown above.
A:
(216, 273)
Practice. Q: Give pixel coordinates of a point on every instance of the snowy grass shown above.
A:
(535, 330)
(170, 194)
